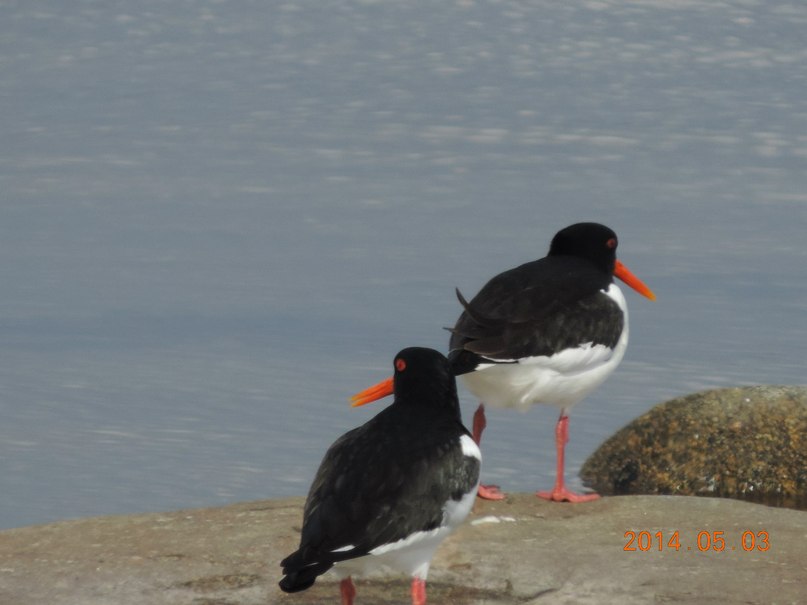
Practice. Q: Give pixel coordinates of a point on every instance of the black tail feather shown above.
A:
(299, 576)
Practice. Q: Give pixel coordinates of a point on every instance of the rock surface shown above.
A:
(522, 550)
(746, 443)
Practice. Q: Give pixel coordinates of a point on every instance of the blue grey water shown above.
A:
(218, 220)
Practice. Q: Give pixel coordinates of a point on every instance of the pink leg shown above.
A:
(348, 591)
(486, 492)
(559, 493)
(418, 591)
(480, 423)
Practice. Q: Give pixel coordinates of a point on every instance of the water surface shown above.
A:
(217, 221)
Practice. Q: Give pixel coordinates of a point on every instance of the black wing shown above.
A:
(530, 311)
(374, 486)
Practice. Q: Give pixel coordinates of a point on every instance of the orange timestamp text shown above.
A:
(704, 541)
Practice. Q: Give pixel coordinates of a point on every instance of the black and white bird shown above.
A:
(388, 492)
(549, 331)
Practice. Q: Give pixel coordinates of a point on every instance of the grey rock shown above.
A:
(521, 550)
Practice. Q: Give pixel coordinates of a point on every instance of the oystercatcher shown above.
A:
(549, 331)
(388, 492)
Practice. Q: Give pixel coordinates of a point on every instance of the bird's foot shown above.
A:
(564, 495)
(490, 492)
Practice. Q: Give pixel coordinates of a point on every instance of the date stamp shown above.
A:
(701, 541)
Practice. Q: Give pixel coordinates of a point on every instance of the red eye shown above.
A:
(611, 243)
(400, 365)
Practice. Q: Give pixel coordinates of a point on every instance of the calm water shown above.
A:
(219, 220)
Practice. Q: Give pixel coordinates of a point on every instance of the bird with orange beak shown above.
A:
(547, 332)
(390, 491)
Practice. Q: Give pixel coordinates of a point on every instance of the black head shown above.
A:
(423, 376)
(591, 241)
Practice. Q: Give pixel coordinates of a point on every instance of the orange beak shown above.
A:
(623, 273)
(373, 393)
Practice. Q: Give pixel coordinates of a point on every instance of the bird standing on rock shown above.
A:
(388, 492)
(549, 331)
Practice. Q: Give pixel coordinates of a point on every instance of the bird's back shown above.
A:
(537, 309)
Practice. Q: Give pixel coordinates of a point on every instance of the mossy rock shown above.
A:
(748, 443)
